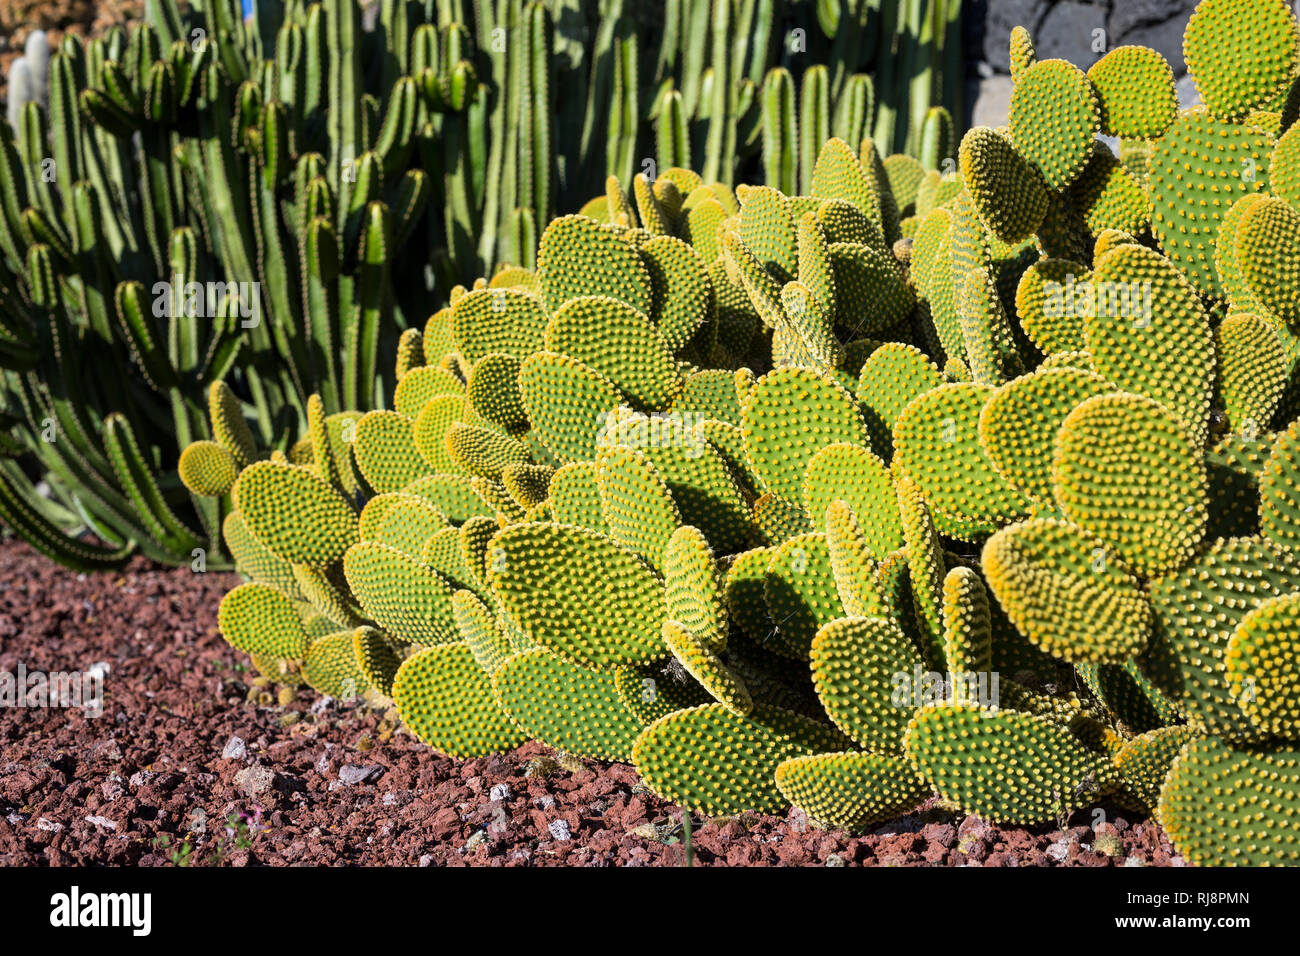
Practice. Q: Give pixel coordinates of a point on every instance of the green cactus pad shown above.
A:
(453, 495)
(1019, 424)
(743, 587)
(967, 626)
(1146, 495)
(421, 384)
(482, 452)
(693, 590)
(800, 593)
(1108, 196)
(378, 658)
(402, 595)
(258, 619)
(1162, 348)
(851, 790)
(930, 236)
(1242, 53)
(1006, 767)
(1135, 87)
(254, 559)
(1066, 592)
(858, 668)
(709, 394)
(763, 291)
(207, 469)
(493, 392)
(636, 505)
(1198, 169)
(294, 513)
(838, 174)
(229, 429)
(385, 451)
(1226, 805)
(1252, 371)
(852, 563)
(936, 442)
(327, 593)
(578, 594)
(711, 760)
(1268, 242)
(1279, 492)
(446, 700)
(778, 519)
(618, 342)
(498, 320)
(1235, 287)
(1022, 53)
(925, 569)
(1143, 762)
(441, 551)
(842, 221)
(571, 708)
(683, 295)
(790, 415)
(1055, 116)
(767, 229)
(479, 629)
(579, 257)
(891, 377)
(1284, 168)
(429, 432)
(575, 497)
(567, 403)
(331, 667)
(853, 474)
(704, 665)
(1261, 666)
(1197, 609)
(870, 292)
(527, 483)
(1010, 195)
(651, 691)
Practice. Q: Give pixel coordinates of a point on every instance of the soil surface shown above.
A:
(191, 762)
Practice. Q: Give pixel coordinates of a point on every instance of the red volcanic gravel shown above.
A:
(180, 748)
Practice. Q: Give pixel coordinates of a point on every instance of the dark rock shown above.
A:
(1070, 31)
(1165, 38)
(1000, 16)
(1131, 13)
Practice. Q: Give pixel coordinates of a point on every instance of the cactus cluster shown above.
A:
(980, 483)
(276, 203)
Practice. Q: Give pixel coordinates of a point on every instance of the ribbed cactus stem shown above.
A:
(780, 132)
(814, 121)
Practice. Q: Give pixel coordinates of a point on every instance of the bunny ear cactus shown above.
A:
(736, 487)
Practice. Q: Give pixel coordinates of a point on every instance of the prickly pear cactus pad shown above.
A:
(446, 700)
(1067, 592)
(1239, 68)
(596, 619)
(575, 709)
(850, 790)
(1228, 805)
(1006, 766)
(714, 760)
